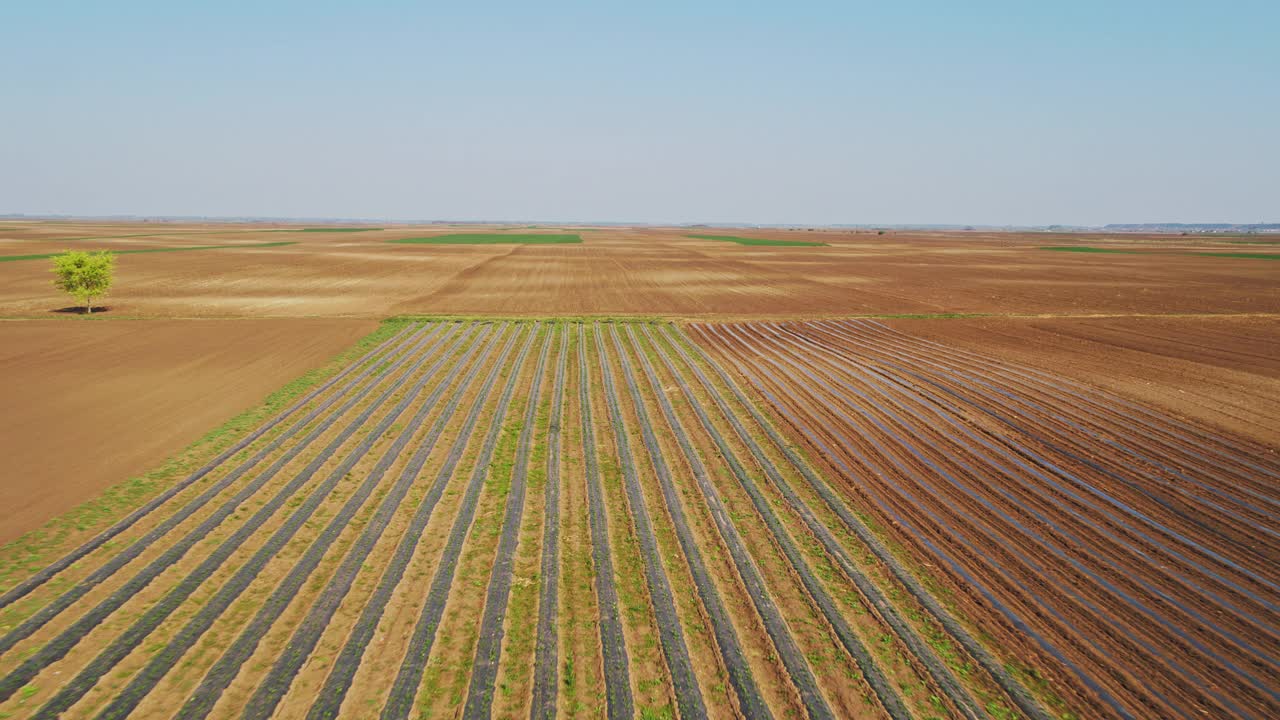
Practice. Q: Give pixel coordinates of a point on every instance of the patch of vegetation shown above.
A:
(1088, 249)
(926, 316)
(758, 241)
(1254, 256)
(339, 229)
(1117, 251)
(498, 238)
(44, 256)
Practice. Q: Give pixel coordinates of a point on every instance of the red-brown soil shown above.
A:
(1124, 550)
(1221, 371)
(1093, 492)
(638, 271)
(89, 404)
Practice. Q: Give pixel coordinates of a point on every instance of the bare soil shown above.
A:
(1221, 371)
(1125, 551)
(89, 404)
(639, 271)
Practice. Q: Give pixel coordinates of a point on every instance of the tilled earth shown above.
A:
(1127, 553)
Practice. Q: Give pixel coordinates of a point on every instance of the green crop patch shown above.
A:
(758, 241)
(1252, 256)
(1116, 251)
(1087, 249)
(504, 238)
(338, 230)
(43, 256)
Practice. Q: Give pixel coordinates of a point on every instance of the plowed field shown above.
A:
(850, 474)
(1128, 555)
(512, 518)
(632, 271)
(87, 405)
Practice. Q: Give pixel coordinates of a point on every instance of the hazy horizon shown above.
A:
(922, 113)
(552, 222)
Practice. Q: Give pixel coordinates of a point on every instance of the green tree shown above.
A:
(84, 275)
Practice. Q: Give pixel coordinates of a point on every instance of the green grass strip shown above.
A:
(1117, 251)
(503, 238)
(42, 256)
(1254, 256)
(1088, 249)
(758, 241)
(337, 230)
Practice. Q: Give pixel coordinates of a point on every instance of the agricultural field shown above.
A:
(525, 471)
(1129, 551)
(105, 402)
(382, 547)
(634, 271)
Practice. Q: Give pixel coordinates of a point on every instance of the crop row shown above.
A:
(1123, 551)
(533, 518)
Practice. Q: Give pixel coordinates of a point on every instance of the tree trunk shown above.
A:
(88, 305)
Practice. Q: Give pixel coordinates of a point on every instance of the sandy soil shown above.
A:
(643, 271)
(104, 401)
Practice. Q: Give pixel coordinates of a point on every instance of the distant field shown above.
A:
(758, 241)
(631, 271)
(1118, 251)
(1251, 256)
(1088, 249)
(338, 230)
(504, 238)
(43, 256)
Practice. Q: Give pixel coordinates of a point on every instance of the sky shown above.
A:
(1022, 113)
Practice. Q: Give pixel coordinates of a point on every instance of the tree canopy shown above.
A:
(84, 275)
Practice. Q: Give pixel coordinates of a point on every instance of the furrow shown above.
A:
(489, 648)
(1104, 402)
(155, 615)
(1017, 694)
(307, 634)
(44, 575)
(405, 687)
(751, 703)
(1070, 416)
(949, 515)
(61, 645)
(875, 678)
(619, 702)
(970, 580)
(329, 700)
(202, 701)
(1128, 507)
(547, 656)
(688, 694)
(1086, 524)
(136, 549)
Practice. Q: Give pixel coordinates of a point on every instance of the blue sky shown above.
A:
(797, 112)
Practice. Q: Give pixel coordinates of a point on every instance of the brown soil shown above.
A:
(1148, 572)
(646, 271)
(582, 691)
(1221, 371)
(1087, 479)
(104, 401)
